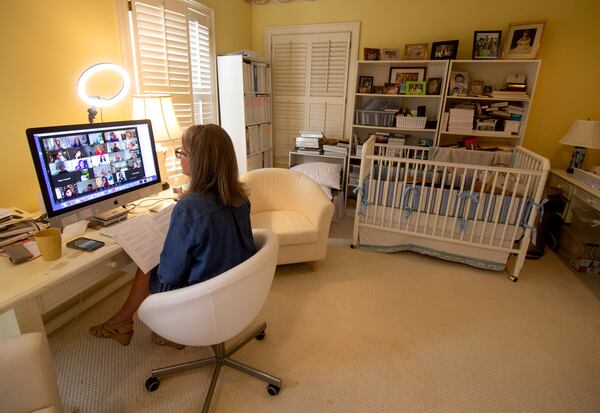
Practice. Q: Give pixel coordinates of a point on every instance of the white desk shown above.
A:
(575, 192)
(47, 294)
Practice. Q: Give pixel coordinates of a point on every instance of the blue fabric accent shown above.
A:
(364, 201)
(205, 239)
(528, 210)
(406, 206)
(462, 204)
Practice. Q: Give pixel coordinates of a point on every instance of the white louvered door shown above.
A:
(309, 73)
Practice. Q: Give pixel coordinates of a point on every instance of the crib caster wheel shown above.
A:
(273, 390)
(152, 384)
(260, 336)
(513, 278)
(352, 246)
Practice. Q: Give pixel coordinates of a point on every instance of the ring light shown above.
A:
(97, 100)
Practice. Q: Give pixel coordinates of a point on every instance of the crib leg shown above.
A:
(518, 265)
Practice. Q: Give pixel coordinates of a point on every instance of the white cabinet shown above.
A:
(511, 109)
(245, 108)
(375, 112)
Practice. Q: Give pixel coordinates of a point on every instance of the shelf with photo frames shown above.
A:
(507, 112)
(375, 74)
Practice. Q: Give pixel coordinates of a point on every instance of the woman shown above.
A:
(209, 232)
(104, 183)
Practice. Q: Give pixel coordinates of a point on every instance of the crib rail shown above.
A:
(401, 190)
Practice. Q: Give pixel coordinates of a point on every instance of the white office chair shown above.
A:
(214, 311)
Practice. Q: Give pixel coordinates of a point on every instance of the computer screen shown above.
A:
(84, 170)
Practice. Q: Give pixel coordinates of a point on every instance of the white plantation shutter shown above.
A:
(309, 73)
(174, 54)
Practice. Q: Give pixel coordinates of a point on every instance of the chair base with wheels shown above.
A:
(222, 357)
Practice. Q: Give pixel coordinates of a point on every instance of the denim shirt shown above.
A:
(205, 239)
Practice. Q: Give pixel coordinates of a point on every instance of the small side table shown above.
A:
(575, 193)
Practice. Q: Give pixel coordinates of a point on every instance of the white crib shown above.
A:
(474, 207)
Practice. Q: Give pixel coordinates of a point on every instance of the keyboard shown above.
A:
(111, 230)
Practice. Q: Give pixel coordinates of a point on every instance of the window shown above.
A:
(310, 68)
(169, 47)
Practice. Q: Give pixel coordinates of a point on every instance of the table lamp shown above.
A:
(98, 101)
(583, 134)
(159, 109)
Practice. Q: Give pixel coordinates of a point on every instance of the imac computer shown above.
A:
(89, 171)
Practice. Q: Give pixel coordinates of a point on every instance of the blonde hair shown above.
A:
(213, 166)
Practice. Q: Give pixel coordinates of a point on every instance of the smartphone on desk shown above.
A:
(85, 244)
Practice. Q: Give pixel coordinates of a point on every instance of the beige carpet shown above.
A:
(371, 332)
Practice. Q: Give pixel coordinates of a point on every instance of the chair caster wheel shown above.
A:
(152, 384)
(273, 390)
(261, 336)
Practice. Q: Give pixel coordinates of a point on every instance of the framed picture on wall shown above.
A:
(389, 54)
(416, 51)
(372, 54)
(401, 75)
(434, 85)
(486, 44)
(444, 50)
(415, 88)
(365, 83)
(523, 40)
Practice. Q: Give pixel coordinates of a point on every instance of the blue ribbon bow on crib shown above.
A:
(528, 209)
(364, 201)
(463, 196)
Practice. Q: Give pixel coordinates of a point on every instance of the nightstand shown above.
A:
(575, 193)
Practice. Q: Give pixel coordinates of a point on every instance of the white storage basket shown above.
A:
(413, 122)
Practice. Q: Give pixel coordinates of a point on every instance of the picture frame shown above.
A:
(523, 40)
(377, 89)
(416, 51)
(486, 44)
(401, 75)
(434, 86)
(459, 82)
(447, 49)
(372, 54)
(475, 88)
(390, 54)
(365, 84)
(416, 88)
(488, 90)
(391, 88)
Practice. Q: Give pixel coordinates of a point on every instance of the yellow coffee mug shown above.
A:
(50, 244)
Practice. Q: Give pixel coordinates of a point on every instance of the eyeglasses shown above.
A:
(179, 153)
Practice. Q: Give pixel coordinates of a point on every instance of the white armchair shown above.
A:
(216, 310)
(28, 379)
(295, 208)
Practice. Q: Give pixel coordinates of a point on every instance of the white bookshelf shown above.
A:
(245, 109)
(380, 71)
(491, 72)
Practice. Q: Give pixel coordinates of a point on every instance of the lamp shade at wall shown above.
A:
(583, 133)
(159, 109)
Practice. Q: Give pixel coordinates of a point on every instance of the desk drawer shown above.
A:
(557, 182)
(580, 196)
(84, 280)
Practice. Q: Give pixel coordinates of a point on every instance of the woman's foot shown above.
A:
(161, 341)
(120, 332)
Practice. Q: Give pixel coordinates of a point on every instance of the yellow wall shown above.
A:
(568, 87)
(45, 46)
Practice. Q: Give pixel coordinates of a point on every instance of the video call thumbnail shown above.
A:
(85, 163)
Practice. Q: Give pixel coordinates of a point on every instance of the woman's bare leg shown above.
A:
(138, 292)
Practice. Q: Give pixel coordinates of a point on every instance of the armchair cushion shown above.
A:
(290, 226)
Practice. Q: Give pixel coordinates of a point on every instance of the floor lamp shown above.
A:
(159, 109)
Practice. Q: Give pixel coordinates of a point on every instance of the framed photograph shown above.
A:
(459, 82)
(444, 50)
(523, 40)
(486, 44)
(434, 86)
(415, 88)
(377, 89)
(416, 51)
(475, 88)
(488, 90)
(390, 54)
(365, 84)
(372, 54)
(391, 89)
(401, 75)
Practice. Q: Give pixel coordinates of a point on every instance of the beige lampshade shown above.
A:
(159, 109)
(583, 133)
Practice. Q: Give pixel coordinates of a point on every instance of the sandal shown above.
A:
(161, 341)
(120, 332)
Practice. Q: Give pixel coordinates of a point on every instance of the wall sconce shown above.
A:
(97, 101)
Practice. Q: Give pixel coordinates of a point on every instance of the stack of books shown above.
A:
(500, 116)
(14, 227)
(511, 91)
(339, 149)
(461, 120)
(310, 142)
